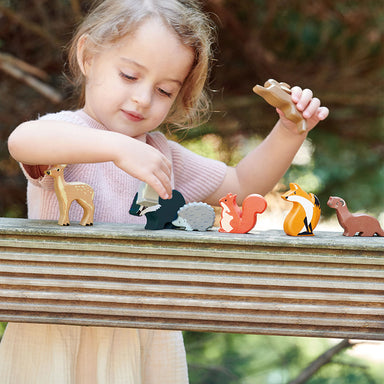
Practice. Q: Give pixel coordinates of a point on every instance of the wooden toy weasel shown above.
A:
(68, 192)
(305, 213)
(279, 96)
(240, 220)
(354, 223)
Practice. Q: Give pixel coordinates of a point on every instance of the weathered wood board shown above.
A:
(263, 282)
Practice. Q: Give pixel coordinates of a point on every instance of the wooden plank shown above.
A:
(263, 282)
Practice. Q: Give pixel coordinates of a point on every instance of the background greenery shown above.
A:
(333, 47)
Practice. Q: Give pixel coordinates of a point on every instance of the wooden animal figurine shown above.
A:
(240, 220)
(68, 192)
(305, 213)
(147, 196)
(354, 223)
(161, 215)
(279, 96)
(195, 217)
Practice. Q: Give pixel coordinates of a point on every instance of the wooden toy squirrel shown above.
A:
(68, 192)
(354, 223)
(240, 220)
(305, 213)
(279, 96)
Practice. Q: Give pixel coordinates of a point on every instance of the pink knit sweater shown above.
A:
(196, 177)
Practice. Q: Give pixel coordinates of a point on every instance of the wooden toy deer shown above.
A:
(68, 192)
(279, 96)
(354, 223)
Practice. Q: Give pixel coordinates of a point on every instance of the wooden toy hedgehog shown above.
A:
(195, 217)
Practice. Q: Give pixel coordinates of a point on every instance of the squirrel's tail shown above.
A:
(252, 205)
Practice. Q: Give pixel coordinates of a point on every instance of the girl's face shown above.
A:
(131, 86)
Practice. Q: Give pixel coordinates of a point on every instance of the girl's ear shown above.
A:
(82, 59)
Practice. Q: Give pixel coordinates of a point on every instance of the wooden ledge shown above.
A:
(263, 282)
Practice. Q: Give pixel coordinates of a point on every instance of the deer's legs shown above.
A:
(64, 213)
(88, 208)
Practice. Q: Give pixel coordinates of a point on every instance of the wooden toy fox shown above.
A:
(305, 213)
(240, 220)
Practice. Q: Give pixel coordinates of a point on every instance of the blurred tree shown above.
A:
(333, 47)
(248, 359)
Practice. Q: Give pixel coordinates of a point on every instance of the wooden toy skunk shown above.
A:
(160, 215)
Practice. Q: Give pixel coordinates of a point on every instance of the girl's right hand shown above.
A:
(58, 142)
(146, 163)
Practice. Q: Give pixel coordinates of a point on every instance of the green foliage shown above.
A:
(248, 359)
(2, 329)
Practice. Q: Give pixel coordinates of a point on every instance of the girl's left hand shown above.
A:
(309, 106)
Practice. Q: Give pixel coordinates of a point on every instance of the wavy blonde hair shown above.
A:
(112, 20)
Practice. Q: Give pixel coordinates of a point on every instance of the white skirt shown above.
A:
(63, 354)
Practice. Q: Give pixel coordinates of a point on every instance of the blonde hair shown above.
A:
(112, 20)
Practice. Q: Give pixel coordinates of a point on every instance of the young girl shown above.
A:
(141, 64)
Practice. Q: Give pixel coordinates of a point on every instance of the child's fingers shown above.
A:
(311, 108)
(305, 99)
(149, 165)
(159, 178)
(164, 184)
(163, 191)
(296, 93)
(322, 113)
